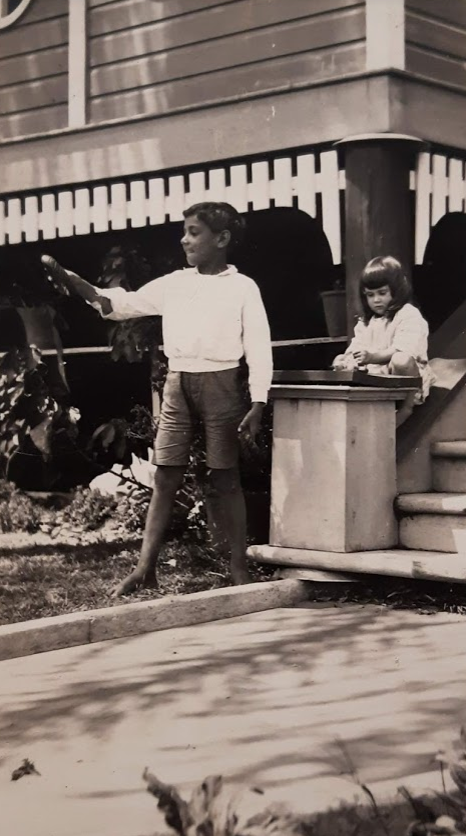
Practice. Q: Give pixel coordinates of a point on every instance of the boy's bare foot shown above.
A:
(133, 582)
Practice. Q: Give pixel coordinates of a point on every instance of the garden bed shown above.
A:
(41, 577)
(77, 553)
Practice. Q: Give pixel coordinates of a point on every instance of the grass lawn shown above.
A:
(72, 563)
(39, 577)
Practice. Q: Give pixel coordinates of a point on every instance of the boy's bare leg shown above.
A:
(167, 481)
(226, 495)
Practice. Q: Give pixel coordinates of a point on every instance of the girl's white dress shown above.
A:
(408, 331)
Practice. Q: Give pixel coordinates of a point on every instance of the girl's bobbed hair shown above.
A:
(385, 270)
(219, 216)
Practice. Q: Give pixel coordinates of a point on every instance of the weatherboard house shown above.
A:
(339, 128)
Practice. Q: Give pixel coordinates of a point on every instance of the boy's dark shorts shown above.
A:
(214, 399)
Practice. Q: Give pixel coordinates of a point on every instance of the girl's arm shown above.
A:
(348, 359)
(364, 356)
(410, 336)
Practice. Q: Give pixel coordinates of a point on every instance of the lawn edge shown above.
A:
(57, 632)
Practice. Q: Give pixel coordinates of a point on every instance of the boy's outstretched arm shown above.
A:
(71, 284)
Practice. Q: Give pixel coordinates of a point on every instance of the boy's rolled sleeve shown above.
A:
(147, 301)
(257, 345)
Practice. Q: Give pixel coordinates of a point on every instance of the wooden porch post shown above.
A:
(378, 206)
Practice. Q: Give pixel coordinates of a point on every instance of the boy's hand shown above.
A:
(251, 422)
(57, 275)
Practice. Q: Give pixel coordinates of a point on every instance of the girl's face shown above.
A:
(379, 299)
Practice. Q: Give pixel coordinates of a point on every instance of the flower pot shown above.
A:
(334, 302)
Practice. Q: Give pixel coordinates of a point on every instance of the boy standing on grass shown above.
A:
(212, 316)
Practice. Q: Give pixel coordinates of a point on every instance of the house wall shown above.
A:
(153, 58)
(34, 71)
(435, 34)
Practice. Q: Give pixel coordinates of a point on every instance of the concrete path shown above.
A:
(270, 699)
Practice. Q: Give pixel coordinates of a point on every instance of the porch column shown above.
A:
(379, 218)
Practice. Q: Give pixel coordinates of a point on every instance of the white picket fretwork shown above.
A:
(311, 182)
(157, 213)
(14, 220)
(99, 213)
(65, 215)
(439, 183)
(31, 218)
(48, 217)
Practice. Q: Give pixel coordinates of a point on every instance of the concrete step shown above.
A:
(449, 466)
(444, 532)
(431, 503)
(399, 563)
(449, 449)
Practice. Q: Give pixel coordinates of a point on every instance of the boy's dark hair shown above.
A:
(385, 270)
(219, 216)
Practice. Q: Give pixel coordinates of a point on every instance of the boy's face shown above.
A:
(200, 244)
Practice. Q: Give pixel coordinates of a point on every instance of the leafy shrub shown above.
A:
(131, 510)
(17, 511)
(89, 509)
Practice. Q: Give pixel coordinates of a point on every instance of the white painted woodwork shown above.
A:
(156, 200)
(7, 18)
(65, 215)
(456, 186)
(440, 187)
(259, 189)
(282, 188)
(217, 185)
(237, 191)
(3, 228)
(385, 34)
(197, 188)
(326, 492)
(305, 183)
(31, 218)
(174, 204)
(118, 206)
(82, 212)
(330, 205)
(423, 191)
(99, 213)
(77, 63)
(156, 213)
(137, 209)
(48, 217)
(14, 221)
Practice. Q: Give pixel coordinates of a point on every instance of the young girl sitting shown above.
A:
(391, 336)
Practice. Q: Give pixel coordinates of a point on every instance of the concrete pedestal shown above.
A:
(334, 467)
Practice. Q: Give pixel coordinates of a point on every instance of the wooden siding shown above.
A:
(155, 57)
(33, 71)
(436, 40)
